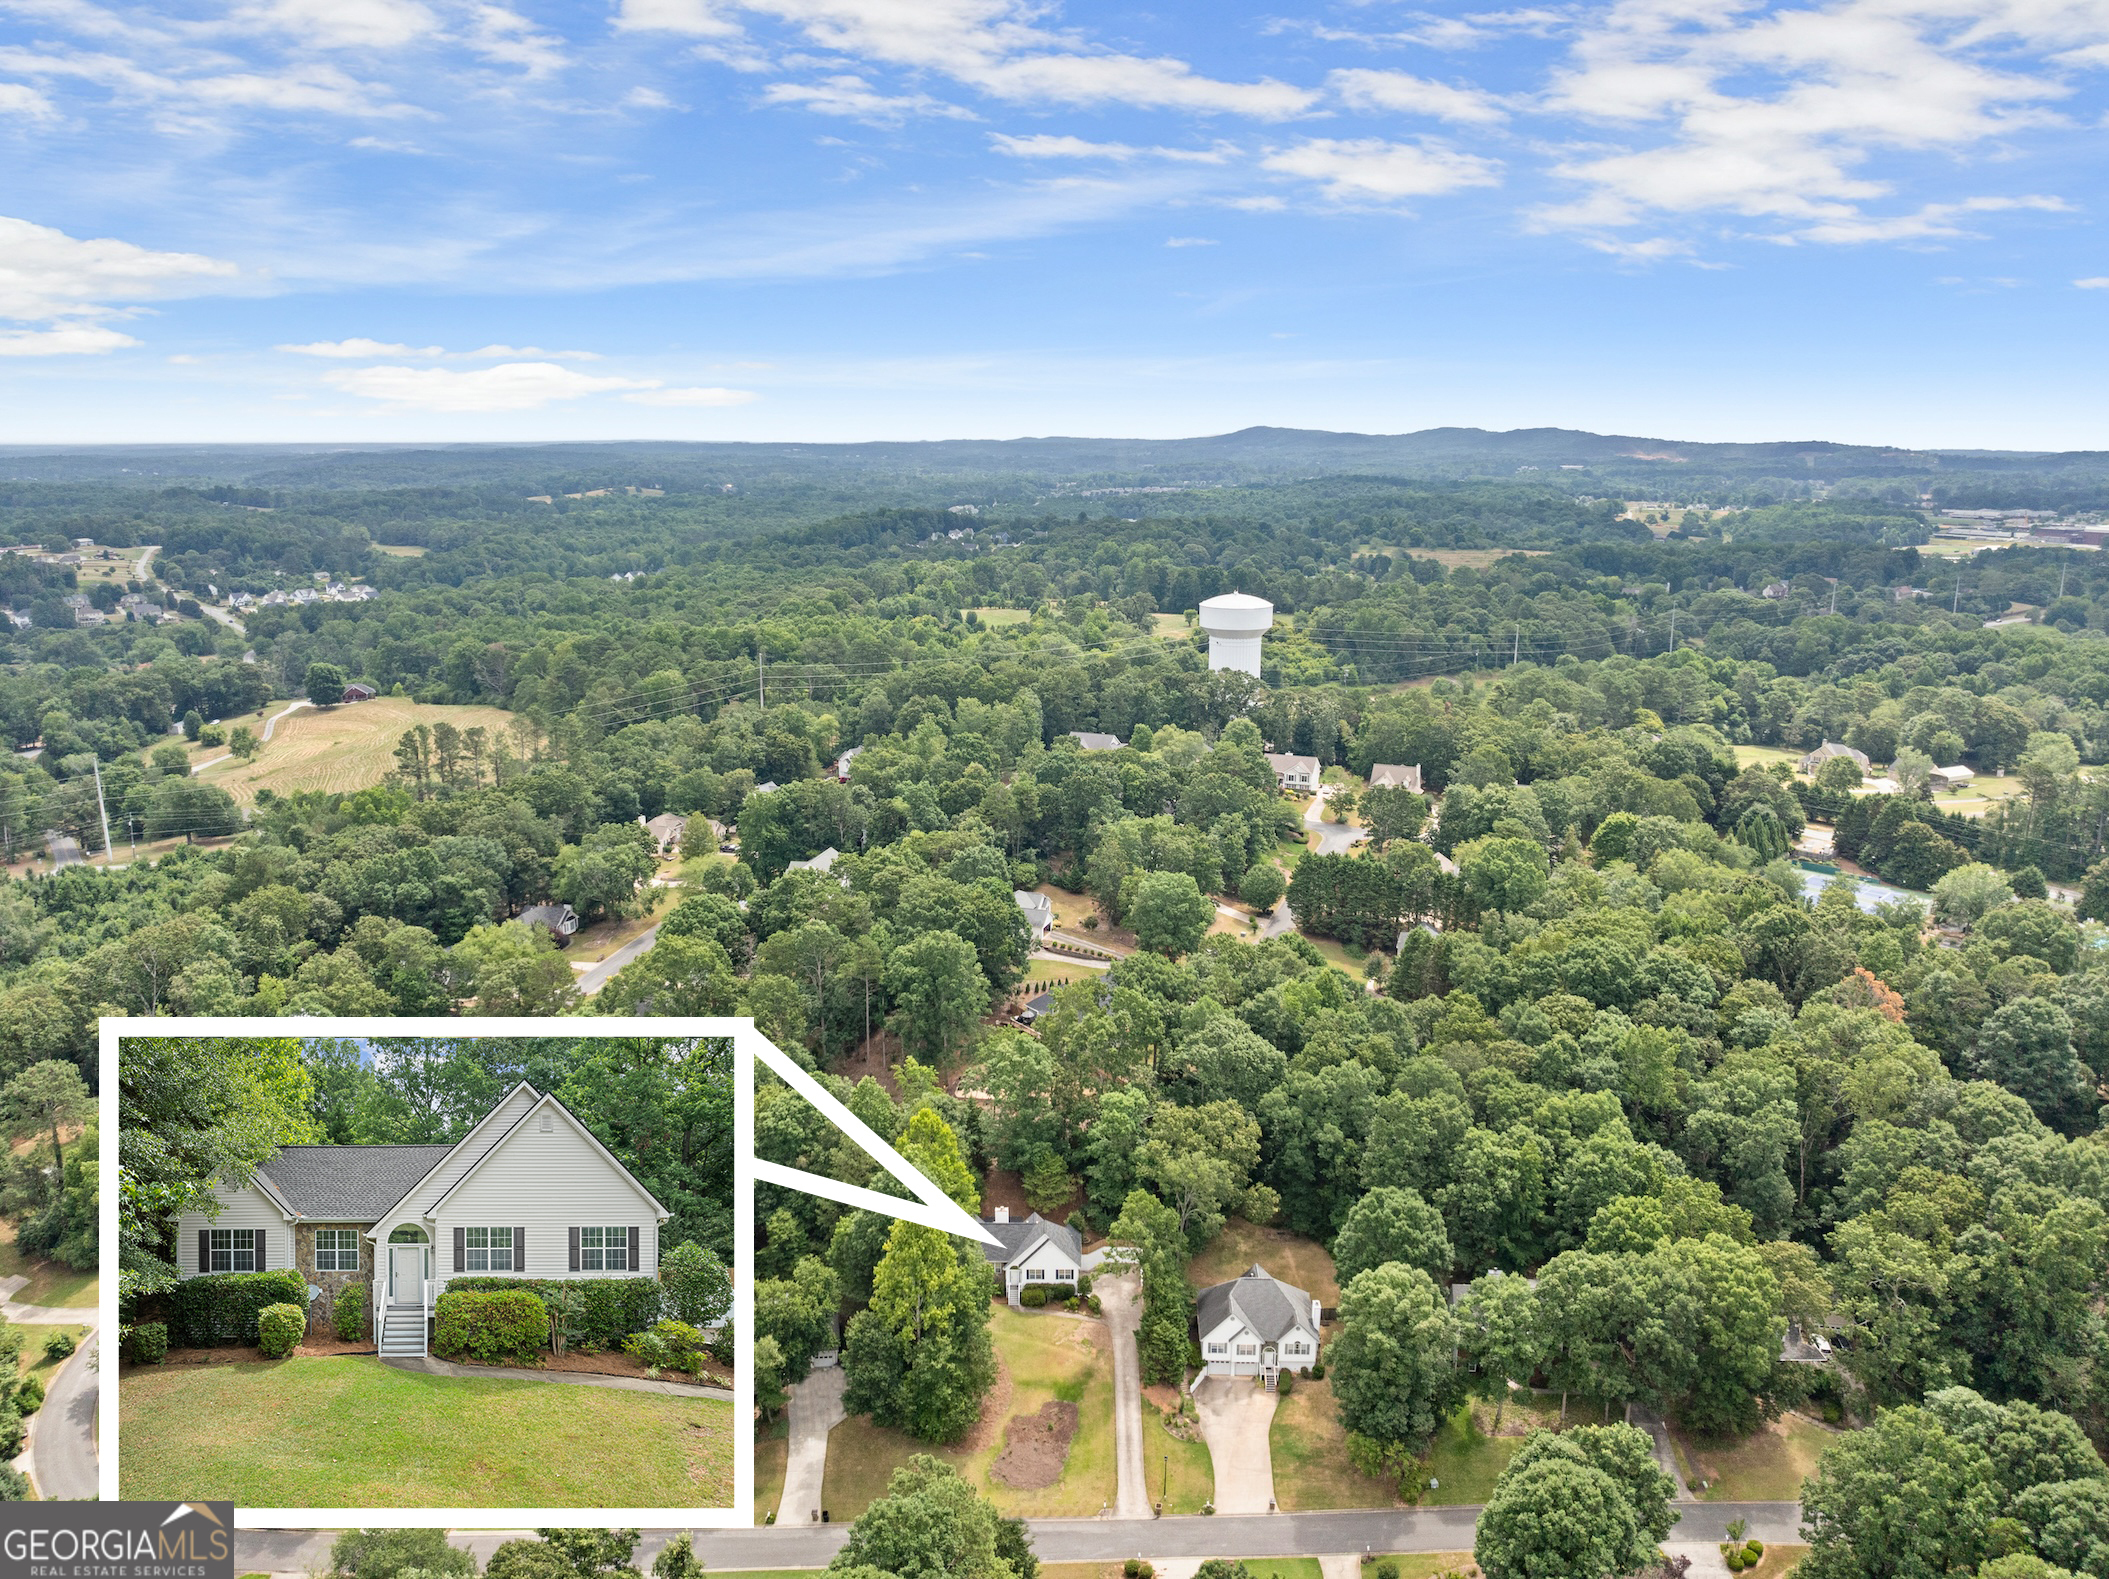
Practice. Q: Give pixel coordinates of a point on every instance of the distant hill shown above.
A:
(1251, 454)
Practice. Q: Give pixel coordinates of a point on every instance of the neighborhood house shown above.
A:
(1393, 775)
(1034, 1251)
(1830, 749)
(1295, 774)
(1255, 1325)
(1038, 910)
(667, 830)
(528, 1190)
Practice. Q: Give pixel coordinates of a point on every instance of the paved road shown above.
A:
(816, 1409)
(1121, 1299)
(595, 977)
(1079, 1540)
(1236, 1417)
(62, 1433)
(1334, 838)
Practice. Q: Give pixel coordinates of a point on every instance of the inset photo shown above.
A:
(423, 1272)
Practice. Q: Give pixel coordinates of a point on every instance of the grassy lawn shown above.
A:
(1186, 1465)
(32, 1361)
(1765, 756)
(592, 944)
(1466, 1461)
(996, 619)
(1300, 1262)
(1169, 627)
(338, 749)
(1045, 1358)
(1309, 1449)
(50, 1283)
(1284, 1567)
(350, 1432)
(772, 1452)
(1429, 1565)
(1769, 1465)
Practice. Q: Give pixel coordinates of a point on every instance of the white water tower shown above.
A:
(1235, 622)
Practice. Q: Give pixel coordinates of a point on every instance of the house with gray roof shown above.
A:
(1092, 740)
(1255, 1325)
(528, 1190)
(1034, 1250)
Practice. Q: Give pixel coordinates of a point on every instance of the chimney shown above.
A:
(1003, 1214)
(1317, 1320)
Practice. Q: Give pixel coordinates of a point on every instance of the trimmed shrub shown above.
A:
(1034, 1297)
(222, 1307)
(1092, 1304)
(1083, 1285)
(697, 1287)
(58, 1345)
(508, 1325)
(279, 1329)
(348, 1315)
(723, 1346)
(1318, 1371)
(1285, 1383)
(29, 1397)
(14, 1485)
(385, 1554)
(150, 1343)
(614, 1307)
(1388, 1568)
(1753, 1550)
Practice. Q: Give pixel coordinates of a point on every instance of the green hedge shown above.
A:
(507, 1325)
(1034, 1296)
(222, 1307)
(279, 1329)
(615, 1306)
(150, 1343)
(348, 1315)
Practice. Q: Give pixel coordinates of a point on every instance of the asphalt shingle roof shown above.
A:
(1271, 1308)
(1019, 1237)
(348, 1184)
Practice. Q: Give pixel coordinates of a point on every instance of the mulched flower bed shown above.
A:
(611, 1363)
(311, 1347)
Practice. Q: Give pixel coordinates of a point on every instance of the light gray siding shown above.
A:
(247, 1208)
(443, 1178)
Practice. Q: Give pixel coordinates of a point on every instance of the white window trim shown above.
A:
(594, 1257)
(342, 1242)
(247, 1242)
(488, 1250)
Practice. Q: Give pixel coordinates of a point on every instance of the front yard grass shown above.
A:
(772, 1456)
(50, 1282)
(31, 1362)
(1465, 1461)
(1300, 1262)
(1046, 1356)
(1168, 1460)
(349, 1432)
(1309, 1449)
(1768, 1465)
(1427, 1565)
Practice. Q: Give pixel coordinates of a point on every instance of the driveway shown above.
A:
(62, 1433)
(1665, 1455)
(595, 977)
(1122, 1302)
(1334, 838)
(816, 1409)
(1236, 1416)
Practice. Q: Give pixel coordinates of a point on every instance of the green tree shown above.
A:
(1150, 1235)
(244, 744)
(677, 975)
(1589, 1502)
(1499, 1318)
(1391, 1223)
(1394, 1364)
(1968, 893)
(1262, 886)
(929, 1525)
(384, 1554)
(1503, 874)
(324, 684)
(49, 1095)
(939, 995)
(1900, 1499)
(1167, 911)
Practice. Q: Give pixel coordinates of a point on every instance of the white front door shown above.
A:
(406, 1274)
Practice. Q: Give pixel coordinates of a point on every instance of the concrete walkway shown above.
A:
(816, 1409)
(1236, 1417)
(70, 1315)
(1121, 1300)
(1077, 1540)
(507, 1373)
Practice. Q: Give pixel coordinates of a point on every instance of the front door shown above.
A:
(406, 1274)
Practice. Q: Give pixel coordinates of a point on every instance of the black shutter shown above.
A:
(519, 1249)
(633, 1248)
(204, 1250)
(461, 1248)
(574, 1249)
(260, 1255)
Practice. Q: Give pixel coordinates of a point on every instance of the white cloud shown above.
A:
(1045, 145)
(1370, 170)
(1410, 95)
(647, 99)
(506, 38)
(1932, 220)
(344, 24)
(493, 353)
(2094, 282)
(66, 339)
(46, 274)
(691, 397)
(15, 99)
(851, 96)
(303, 87)
(510, 386)
(996, 47)
(1191, 241)
(354, 349)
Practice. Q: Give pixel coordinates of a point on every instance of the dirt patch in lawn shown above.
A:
(310, 1348)
(1037, 1448)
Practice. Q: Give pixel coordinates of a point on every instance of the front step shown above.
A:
(403, 1331)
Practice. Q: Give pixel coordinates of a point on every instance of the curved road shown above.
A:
(62, 1433)
(595, 977)
(1350, 1530)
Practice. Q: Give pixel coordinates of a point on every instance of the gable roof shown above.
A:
(506, 1133)
(1020, 1239)
(462, 1144)
(346, 1184)
(1395, 775)
(1261, 1301)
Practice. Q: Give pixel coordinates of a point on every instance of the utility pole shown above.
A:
(1673, 630)
(1956, 606)
(102, 811)
(1516, 657)
(1834, 597)
(761, 680)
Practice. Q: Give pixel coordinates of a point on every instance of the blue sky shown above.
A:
(1874, 220)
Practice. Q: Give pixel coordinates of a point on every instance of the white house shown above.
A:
(1256, 1325)
(1035, 1251)
(1393, 775)
(823, 862)
(1038, 908)
(842, 764)
(560, 920)
(1830, 749)
(1295, 774)
(528, 1190)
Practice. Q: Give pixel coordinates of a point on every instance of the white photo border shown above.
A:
(746, 1042)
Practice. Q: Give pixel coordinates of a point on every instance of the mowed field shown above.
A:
(337, 749)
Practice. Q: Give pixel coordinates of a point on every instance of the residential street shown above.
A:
(62, 1433)
(1079, 1540)
(595, 977)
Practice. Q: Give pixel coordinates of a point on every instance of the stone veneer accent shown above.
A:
(321, 1314)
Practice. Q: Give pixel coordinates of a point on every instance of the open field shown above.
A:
(1309, 1449)
(1429, 1565)
(1290, 1257)
(1765, 756)
(1984, 792)
(337, 749)
(404, 550)
(349, 1432)
(1460, 558)
(1045, 1357)
(1769, 1465)
(996, 619)
(1170, 627)
(50, 1282)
